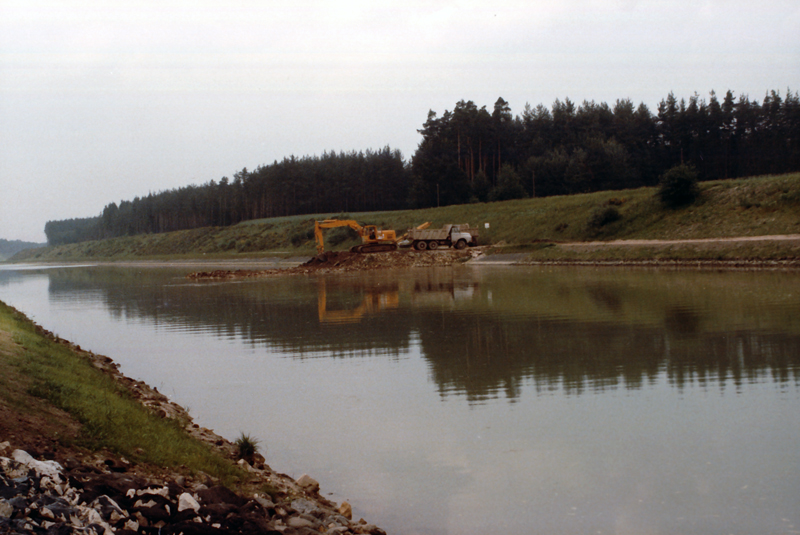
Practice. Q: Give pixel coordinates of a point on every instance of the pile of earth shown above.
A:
(346, 261)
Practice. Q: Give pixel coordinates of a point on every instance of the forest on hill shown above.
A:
(472, 154)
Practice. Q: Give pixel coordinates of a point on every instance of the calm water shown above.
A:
(477, 399)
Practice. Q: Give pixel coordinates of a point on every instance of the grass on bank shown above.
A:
(109, 417)
(688, 252)
(725, 208)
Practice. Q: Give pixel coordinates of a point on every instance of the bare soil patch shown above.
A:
(345, 261)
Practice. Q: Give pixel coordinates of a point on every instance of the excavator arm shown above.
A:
(333, 223)
(373, 240)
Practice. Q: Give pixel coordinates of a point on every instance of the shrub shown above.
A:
(678, 186)
(246, 447)
(603, 216)
(301, 237)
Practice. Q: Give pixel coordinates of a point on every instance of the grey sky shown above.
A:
(102, 101)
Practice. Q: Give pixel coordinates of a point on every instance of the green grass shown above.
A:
(109, 417)
(741, 207)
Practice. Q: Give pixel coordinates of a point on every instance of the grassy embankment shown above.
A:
(726, 208)
(37, 372)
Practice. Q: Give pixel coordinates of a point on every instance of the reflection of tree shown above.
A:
(277, 314)
(473, 350)
(486, 357)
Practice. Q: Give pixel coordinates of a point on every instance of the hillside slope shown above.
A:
(756, 206)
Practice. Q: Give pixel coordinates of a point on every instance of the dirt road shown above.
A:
(784, 237)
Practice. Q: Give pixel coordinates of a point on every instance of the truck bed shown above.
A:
(439, 233)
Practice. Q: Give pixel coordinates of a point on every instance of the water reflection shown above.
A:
(483, 400)
(486, 334)
(373, 301)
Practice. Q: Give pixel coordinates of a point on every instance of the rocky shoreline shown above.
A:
(45, 497)
(100, 493)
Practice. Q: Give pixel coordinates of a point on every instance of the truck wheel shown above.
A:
(420, 245)
(433, 245)
(460, 244)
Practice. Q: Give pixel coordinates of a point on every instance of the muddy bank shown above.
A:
(345, 261)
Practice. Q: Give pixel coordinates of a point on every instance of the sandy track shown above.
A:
(776, 237)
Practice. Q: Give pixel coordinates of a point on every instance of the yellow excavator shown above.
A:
(373, 240)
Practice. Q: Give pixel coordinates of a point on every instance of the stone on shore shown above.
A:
(187, 501)
(308, 483)
(96, 499)
(346, 510)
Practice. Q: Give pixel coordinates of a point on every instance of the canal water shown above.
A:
(477, 399)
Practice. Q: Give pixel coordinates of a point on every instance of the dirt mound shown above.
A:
(345, 261)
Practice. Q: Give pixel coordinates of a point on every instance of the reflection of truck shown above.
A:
(458, 236)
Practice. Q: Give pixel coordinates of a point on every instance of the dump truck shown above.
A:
(458, 236)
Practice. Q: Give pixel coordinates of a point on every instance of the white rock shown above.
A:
(93, 517)
(141, 519)
(346, 511)
(163, 491)
(304, 506)
(6, 509)
(187, 501)
(50, 469)
(299, 522)
(308, 483)
(265, 503)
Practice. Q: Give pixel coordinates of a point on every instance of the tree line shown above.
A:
(470, 154)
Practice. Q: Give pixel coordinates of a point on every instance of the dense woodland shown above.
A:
(471, 154)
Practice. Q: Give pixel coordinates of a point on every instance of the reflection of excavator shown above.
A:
(373, 240)
(373, 302)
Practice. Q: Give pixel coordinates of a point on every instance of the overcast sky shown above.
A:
(102, 101)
